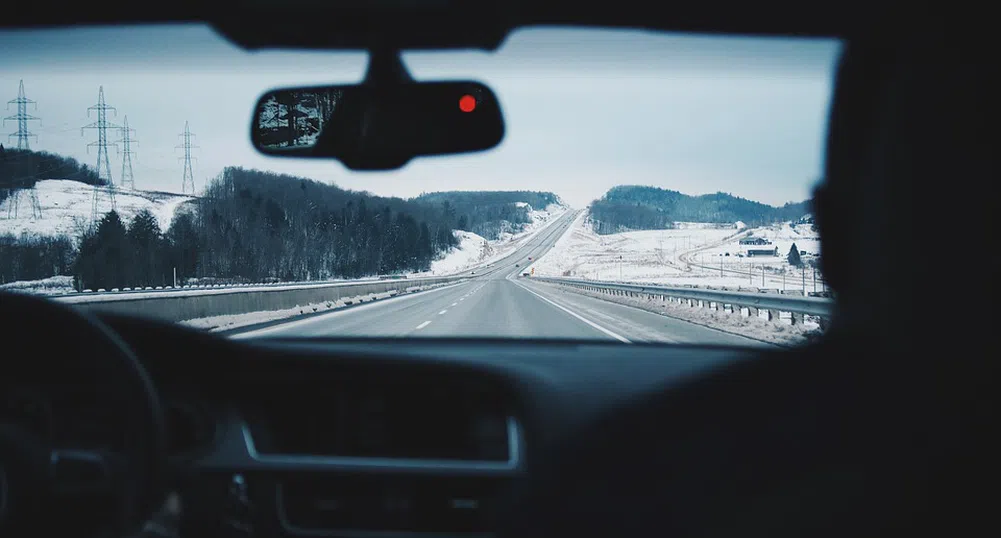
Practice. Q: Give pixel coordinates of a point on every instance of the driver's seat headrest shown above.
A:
(903, 199)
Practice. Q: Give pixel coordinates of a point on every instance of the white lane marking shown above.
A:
(614, 335)
(339, 312)
(442, 312)
(455, 303)
(462, 299)
(600, 315)
(422, 325)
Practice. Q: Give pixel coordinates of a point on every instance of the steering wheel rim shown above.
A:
(43, 481)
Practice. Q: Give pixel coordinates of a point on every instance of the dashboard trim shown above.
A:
(237, 452)
(512, 463)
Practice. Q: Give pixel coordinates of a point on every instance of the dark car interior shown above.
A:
(879, 428)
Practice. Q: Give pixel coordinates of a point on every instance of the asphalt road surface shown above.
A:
(499, 303)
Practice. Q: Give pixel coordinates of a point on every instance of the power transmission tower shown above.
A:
(15, 202)
(103, 164)
(188, 181)
(23, 135)
(22, 117)
(128, 180)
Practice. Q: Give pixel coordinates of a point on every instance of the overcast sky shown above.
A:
(585, 109)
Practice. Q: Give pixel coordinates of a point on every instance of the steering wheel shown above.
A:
(43, 486)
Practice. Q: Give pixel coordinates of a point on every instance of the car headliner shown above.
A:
(433, 24)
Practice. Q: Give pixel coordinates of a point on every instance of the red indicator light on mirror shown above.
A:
(467, 103)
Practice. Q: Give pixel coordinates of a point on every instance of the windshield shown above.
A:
(650, 187)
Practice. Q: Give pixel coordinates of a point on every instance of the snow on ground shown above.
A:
(471, 251)
(690, 254)
(642, 256)
(66, 208)
(474, 251)
(776, 270)
(56, 285)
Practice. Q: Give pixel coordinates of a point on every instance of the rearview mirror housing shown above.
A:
(378, 126)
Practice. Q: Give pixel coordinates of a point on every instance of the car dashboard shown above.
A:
(358, 438)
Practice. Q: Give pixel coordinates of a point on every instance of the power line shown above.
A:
(22, 117)
(188, 181)
(128, 179)
(103, 164)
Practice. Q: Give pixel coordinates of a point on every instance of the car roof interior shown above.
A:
(879, 428)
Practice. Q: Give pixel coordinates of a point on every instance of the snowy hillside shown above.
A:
(695, 254)
(66, 208)
(474, 250)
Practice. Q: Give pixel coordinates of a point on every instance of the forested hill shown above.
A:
(631, 207)
(262, 224)
(253, 226)
(21, 168)
(489, 213)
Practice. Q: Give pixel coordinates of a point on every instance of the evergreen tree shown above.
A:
(794, 259)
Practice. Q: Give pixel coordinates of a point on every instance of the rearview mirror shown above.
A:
(378, 127)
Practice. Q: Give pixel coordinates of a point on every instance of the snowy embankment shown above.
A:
(691, 254)
(475, 251)
(66, 208)
(56, 285)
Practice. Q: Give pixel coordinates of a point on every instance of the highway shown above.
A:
(499, 303)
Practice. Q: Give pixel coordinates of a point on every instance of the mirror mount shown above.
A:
(385, 68)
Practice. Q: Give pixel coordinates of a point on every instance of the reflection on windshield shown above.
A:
(650, 188)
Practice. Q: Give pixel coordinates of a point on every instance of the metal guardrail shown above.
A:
(772, 302)
(185, 287)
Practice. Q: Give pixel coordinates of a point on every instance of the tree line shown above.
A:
(489, 213)
(255, 226)
(630, 207)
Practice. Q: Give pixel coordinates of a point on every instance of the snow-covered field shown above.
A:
(66, 208)
(474, 251)
(690, 254)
